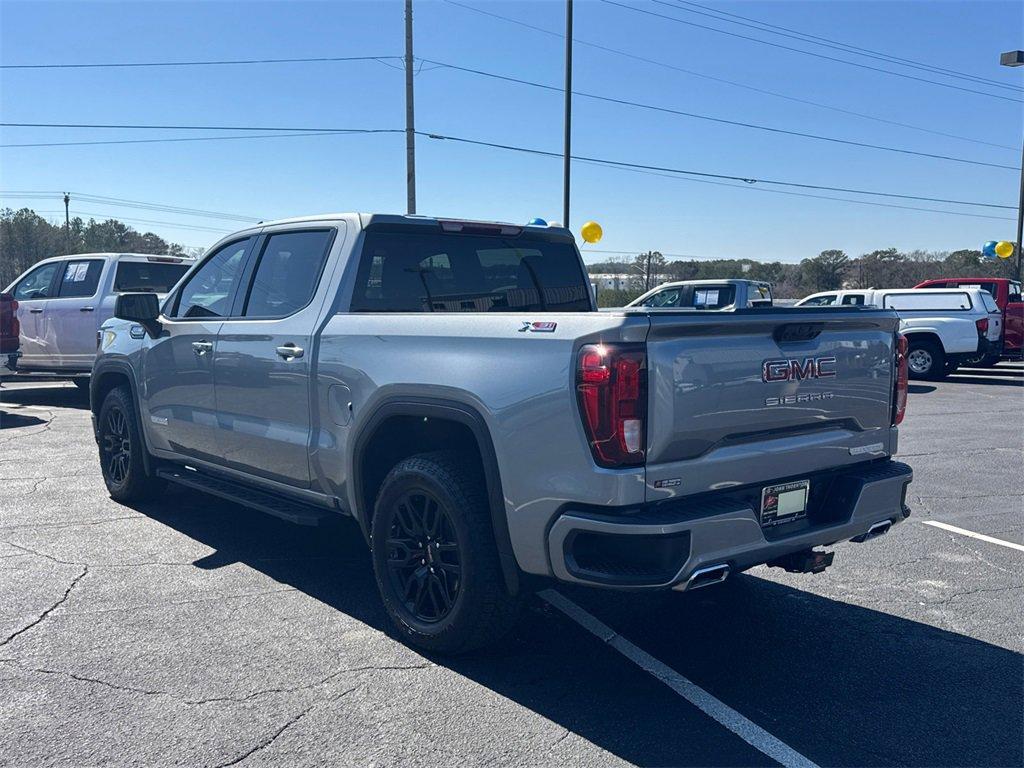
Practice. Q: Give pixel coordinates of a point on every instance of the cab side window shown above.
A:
(666, 298)
(288, 272)
(820, 301)
(717, 297)
(36, 284)
(80, 279)
(853, 300)
(210, 289)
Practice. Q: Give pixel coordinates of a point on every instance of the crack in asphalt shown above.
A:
(217, 699)
(53, 526)
(51, 609)
(267, 742)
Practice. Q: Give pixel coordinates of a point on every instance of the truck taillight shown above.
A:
(899, 401)
(982, 326)
(611, 388)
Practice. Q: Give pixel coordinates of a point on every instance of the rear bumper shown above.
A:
(662, 546)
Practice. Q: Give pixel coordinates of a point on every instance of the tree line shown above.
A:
(829, 270)
(26, 237)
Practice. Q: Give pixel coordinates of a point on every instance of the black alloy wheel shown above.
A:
(116, 446)
(423, 560)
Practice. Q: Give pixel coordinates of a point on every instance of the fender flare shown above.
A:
(461, 413)
(102, 367)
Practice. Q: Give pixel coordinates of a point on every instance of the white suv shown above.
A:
(62, 301)
(943, 325)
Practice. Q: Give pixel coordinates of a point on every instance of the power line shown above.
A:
(713, 78)
(123, 203)
(206, 63)
(809, 53)
(136, 126)
(181, 139)
(724, 121)
(177, 225)
(745, 179)
(790, 193)
(764, 26)
(513, 148)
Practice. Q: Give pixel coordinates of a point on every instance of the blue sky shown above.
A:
(280, 177)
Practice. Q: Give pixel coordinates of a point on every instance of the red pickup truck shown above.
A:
(1007, 294)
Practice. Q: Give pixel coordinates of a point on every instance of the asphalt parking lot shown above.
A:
(192, 631)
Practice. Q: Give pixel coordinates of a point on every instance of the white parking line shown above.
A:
(751, 733)
(972, 534)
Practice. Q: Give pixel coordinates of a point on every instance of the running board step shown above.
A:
(292, 511)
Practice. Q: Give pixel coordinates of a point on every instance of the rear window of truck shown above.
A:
(447, 272)
(132, 276)
(919, 301)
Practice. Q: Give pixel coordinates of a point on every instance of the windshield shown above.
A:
(154, 277)
(406, 271)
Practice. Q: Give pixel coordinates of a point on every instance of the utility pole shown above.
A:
(1020, 219)
(647, 271)
(1016, 59)
(566, 162)
(67, 223)
(410, 122)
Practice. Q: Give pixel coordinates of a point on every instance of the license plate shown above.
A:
(784, 503)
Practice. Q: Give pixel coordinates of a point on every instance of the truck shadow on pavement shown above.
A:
(842, 684)
(56, 395)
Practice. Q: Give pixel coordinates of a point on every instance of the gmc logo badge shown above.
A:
(798, 370)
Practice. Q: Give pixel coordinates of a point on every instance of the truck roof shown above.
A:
(368, 219)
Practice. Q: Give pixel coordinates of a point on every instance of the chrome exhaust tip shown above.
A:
(876, 530)
(703, 577)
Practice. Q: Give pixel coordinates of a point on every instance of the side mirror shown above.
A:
(141, 308)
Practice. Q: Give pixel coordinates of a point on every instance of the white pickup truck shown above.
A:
(62, 301)
(942, 325)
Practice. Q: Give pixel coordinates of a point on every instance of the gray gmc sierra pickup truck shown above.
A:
(451, 386)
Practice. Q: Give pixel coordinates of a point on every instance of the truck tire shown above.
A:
(926, 360)
(434, 555)
(121, 450)
(980, 361)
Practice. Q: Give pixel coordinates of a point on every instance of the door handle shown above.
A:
(290, 351)
(36, 310)
(202, 347)
(86, 309)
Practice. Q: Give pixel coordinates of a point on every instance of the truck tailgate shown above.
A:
(760, 395)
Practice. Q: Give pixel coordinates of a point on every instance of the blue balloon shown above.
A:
(541, 223)
(989, 249)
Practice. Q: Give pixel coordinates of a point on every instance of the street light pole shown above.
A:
(566, 162)
(1016, 59)
(67, 223)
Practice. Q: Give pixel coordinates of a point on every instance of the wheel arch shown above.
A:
(457, 419)
(924, 334)
(107, 375)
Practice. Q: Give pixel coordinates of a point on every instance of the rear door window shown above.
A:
(853, 300)
(80, 278)
(288, 273)
(408, 271)
(147, 276)
(713, 297)
(37, 283)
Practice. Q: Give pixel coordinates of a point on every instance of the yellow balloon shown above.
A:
(1004, 250)
(591, 232)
